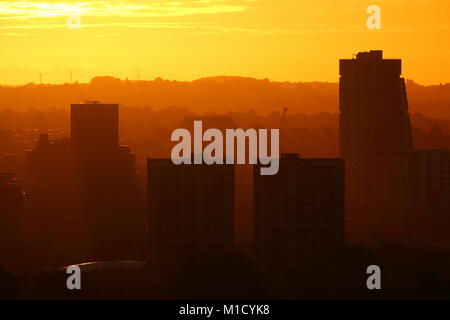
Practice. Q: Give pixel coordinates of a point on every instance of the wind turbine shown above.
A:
(40, 77)
(71, 72)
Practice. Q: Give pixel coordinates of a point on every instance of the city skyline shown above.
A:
(95, 189)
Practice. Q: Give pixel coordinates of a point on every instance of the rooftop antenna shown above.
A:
(71, 72)
(40, 77)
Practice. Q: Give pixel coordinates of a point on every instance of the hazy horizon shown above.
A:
(281, 40)
(218, 76)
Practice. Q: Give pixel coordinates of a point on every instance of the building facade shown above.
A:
(191, 212)
(299, 213)
(375, 134)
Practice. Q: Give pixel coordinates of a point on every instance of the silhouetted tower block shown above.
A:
(49, 162)
(94, 126)
(299, 213)
(107, 183)
(375, 133)
(53, 219)
(430, 181)
(191, 212)
(430, 196)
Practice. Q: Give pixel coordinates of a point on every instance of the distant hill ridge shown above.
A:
(212, 94)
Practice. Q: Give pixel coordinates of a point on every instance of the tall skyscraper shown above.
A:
(107, 183)
(82, 192)
(191, 212)
(94, 126)
(375, 133)
(299, 213)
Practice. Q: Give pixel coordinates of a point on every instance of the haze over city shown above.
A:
(288, 40)
(135, 140)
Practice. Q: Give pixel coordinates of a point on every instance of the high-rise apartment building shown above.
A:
(299, 213)
(94, 126)
(86, 188)
(375, 133)
(107, 183)
(430, 180)
(191, 212)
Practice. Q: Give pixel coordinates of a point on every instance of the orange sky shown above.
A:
(295, 40)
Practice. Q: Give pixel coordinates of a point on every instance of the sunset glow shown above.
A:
(289, 40)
